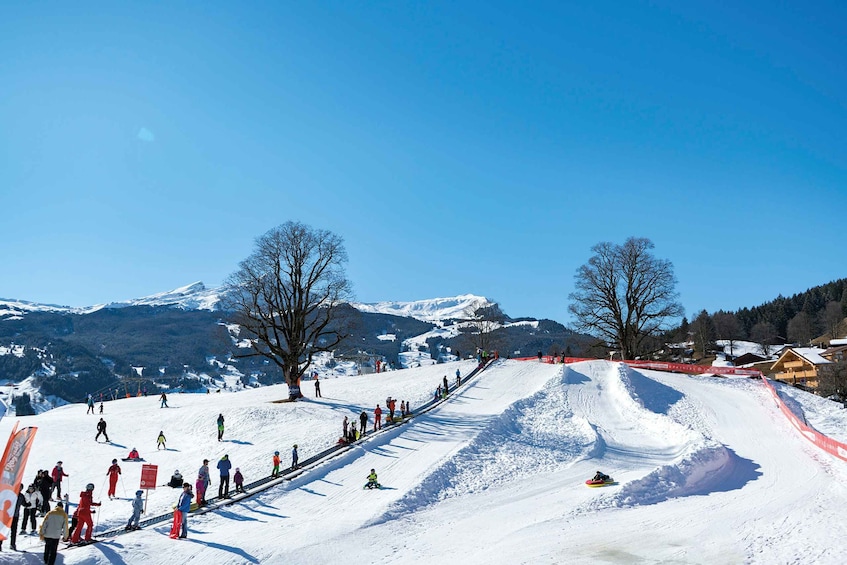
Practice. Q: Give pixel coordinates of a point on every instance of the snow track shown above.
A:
(708, 470)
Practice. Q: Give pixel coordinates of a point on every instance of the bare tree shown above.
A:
(800, 329)
(764, 334)
(624, 294)
(831, 318)
(286, 294)
(481, 322)
(728, 328)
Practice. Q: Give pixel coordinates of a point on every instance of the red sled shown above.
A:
(175, 530)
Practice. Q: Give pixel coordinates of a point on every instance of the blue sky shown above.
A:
(457, 147)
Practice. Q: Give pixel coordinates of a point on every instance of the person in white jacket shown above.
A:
(32, 502)
(53, 528)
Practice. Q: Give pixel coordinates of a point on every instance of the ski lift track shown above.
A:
(268, 482)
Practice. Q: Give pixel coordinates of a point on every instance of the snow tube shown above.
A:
(592, 483)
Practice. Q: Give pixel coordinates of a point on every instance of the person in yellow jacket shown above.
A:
(53, 528)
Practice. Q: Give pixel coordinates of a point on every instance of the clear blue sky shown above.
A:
(457, 147)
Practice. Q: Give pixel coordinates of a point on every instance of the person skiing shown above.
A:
(275, 471)
(224, 465)
(101, 406)
(164, 399)
(160, 441)
(392, 403)
(294, 457)
(137, 509)
(372, 481)
(183, 506)
(133, 454)
(600, 477)
(101, 429)
(84, 512)
(31, 504)
(90, 404)
(57, 475)
(53, 528)
(238, 479)
(203, 482)
(458, 377)
(220, 427)
(363, 419)
(113, 472)
(377, 418)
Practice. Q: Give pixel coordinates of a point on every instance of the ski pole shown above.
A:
(122, 485)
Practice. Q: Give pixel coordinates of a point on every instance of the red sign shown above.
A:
(148, 476)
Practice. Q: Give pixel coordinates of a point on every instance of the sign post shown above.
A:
(148, 480)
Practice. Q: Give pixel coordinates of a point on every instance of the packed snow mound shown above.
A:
(432, 310)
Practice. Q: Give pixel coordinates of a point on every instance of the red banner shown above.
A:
(148, 476)
(11, 470)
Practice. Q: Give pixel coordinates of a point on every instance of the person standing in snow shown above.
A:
(84, 512)
(90, 404)
(113, 472)
(220, 427)
(137, 509)
(294, 457)
(203, 482)
(46, 489)
(101, 429)
(275, 471)
(238, 480)
(57, 475)
(31, 504)
(317, 387)
(224, 465)
(344, 427)
(446, 389)
(377, 418)
(160, 441)
(53, 528)
(183, 506)
(164, 399)
(363, 420)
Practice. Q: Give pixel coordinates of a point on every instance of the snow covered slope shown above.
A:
(708, 471)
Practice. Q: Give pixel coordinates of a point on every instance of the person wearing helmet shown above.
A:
(372, 482)
(294, 457)
(113, 472)
(160, 441)
(137, 509)
(275, 471)
(83, 512)
(133, 454)
(176, 480)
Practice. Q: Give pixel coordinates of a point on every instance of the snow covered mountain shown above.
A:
(196, 296)
(432, 310)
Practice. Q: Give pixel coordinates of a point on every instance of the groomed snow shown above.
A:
(708, 471)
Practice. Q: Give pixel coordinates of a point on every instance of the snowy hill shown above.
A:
(708, 471)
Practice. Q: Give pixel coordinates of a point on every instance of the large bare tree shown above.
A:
(624, 294)
(285, 296)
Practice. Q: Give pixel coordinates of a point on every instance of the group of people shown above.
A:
(53, 528)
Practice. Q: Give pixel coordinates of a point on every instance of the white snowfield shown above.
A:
(708, 471)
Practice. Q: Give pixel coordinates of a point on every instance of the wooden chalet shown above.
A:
(800, 366)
